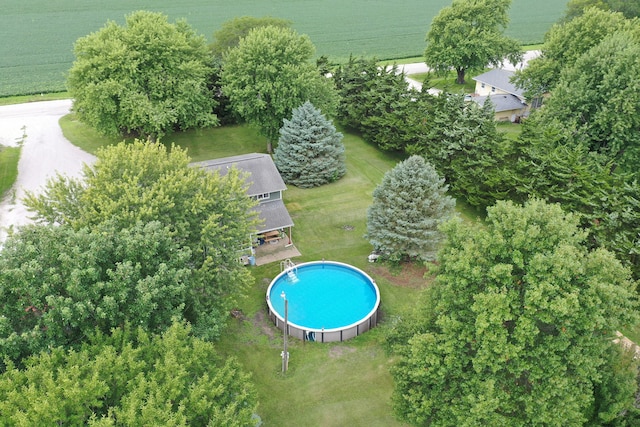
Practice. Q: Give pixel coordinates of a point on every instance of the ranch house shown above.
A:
(266, 187)
(508, 100)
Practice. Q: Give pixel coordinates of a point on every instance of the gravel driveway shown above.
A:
(45, 152)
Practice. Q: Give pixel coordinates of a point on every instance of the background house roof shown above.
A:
(500, 79)
(263, 175)
(501, 102)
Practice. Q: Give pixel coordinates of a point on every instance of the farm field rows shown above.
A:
(38, 35)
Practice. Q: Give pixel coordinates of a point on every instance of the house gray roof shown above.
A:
(263, 175)
(501, 102)
(273, 216)
(500, 79)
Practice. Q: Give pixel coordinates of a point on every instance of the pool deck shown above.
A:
(276, 251)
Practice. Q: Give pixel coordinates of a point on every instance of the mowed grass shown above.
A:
(22, 99)
(201, 144)
(38, 35)
(9, 158)
(333, 216)
(327, 384)
(447, 82)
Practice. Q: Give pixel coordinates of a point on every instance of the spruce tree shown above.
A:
(310, 152)
(408, 206)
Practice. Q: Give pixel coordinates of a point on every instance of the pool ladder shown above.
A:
(290, 268)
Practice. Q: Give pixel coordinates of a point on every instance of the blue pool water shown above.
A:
(326, 295)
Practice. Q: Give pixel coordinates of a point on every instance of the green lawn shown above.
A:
(9, 157)
(21, 99)
(202, 144)
(447, 82)
(38, 35)
(400, 61)
(510, 130)
(335, 384)
(84, 136)
(327, 384)
(632, 332)
(414, 59)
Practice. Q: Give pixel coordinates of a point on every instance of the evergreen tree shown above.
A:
(408, 206)
(371, 99)
(552, 165)
(310, 150)
(462, 142)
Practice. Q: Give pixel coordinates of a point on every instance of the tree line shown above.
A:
(579, 150)
(518, 327)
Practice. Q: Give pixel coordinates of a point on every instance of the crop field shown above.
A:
(37, 36)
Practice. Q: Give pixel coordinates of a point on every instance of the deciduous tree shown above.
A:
(518, 328)
(581, 149)
(563, 44)
(408, 206)
(310, 151)
(629, 8)
(469, 35)
(231, 32)
(144, 182)
(144, 79)
(59, 285)
(575, 8)
(269, 74)
(597, 98)
(130, 378)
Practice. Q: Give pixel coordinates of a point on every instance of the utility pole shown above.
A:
(285, 353)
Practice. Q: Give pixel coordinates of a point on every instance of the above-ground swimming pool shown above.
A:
(327, 301)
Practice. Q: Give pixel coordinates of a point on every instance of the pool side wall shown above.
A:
(328, 335)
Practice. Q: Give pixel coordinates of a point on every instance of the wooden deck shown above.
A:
(275, 250)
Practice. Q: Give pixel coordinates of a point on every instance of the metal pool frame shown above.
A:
(326, 335)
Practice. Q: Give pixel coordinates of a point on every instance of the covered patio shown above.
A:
(273, 241)
(276, 250)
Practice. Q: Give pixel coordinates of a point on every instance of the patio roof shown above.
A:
(273, 215)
